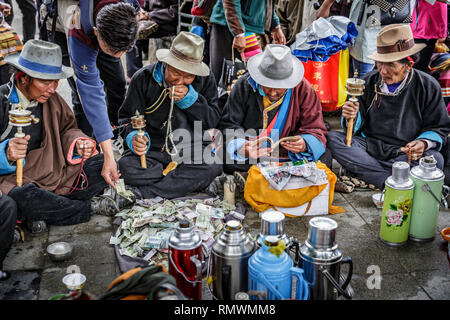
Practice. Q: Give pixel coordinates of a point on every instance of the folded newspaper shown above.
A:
(290, 176)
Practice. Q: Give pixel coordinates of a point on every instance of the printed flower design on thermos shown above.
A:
(398, 212)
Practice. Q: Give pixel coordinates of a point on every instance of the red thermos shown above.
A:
(185, 260)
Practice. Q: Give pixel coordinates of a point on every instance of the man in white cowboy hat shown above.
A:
(401, 113)
(61, 166)
(275, 99)
(177, 95)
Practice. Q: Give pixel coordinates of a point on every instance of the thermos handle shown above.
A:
(198, 266)
(182, 273)
(205, 256)
(302, 292)
(350, 271)
(263, 279)
(334, 283)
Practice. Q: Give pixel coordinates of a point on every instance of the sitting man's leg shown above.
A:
(8, 218)
(356, 160)
(151, 182)
(37, 204)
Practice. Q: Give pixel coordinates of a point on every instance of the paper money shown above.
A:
(120, 188)
(150, 254)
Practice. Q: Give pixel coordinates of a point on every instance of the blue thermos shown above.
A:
(270, 275)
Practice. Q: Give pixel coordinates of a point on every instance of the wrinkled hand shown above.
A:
(17, 148)
(239, 43)
(142, 15)
(278, 36)
(252, 149)
(350, 110)
(139, 144)
(110, 172)
(416, 148)
(85, 148)
(296, 146)
(180, 92)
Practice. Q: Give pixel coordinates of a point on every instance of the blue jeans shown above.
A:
(359, 162)
(362, 67)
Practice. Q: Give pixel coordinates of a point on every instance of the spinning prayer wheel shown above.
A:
(19, 118)
(138, 122)
(354, 88)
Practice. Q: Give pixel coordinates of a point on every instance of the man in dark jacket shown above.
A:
(401, 116)
(178, 97)
(274, 100)
(61, 167)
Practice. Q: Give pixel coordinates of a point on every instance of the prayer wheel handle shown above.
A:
(19, 162)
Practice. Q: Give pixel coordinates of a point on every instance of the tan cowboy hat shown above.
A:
(276, 67)
(185, 54)
(395, 42)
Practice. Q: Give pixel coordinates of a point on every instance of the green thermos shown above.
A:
(428, 182)
(395, 218)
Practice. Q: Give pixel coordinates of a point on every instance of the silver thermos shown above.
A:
(321, 262)
(272, 224)
(229, 261)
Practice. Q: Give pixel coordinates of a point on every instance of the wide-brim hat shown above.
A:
(395, 42)
(276, 67)
(40, 59)
(185, 54)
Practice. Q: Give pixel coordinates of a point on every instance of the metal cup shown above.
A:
(322, 232)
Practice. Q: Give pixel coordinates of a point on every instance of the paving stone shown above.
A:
(22, 285)
(436, 283)
(97, 223)
(27, 255)
(98, 278)
(88, 249)
(400, 286)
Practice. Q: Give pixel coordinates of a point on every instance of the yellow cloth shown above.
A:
(261, 197)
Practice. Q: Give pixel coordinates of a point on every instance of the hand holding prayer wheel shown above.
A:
(354, 87)
(139, 141)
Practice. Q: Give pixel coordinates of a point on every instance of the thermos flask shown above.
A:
(229, 261)
(321, 260)
(428, 181)
(185, 260)
(396, 214)
(272, 224)
(270, 273)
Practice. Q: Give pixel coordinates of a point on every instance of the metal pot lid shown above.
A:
(184, 237)
(427, 169)
(322, 232)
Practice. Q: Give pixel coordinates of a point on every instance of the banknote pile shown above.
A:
(145, 228)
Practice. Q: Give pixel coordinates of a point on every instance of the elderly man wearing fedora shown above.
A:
(61, 167)
(178, 97)
(274, 99)
(401, 112)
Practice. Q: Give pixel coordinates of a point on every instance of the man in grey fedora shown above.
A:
(61, 166)
(273, 100)
(177, 96)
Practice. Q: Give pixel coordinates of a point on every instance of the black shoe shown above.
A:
(215, 188)
(36, 227)
(239, 179)
(4, 275)
(146, 28)
(104, 205)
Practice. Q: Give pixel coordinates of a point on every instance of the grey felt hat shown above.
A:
(185, 54)
(40, 59)
(276, 67)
